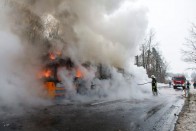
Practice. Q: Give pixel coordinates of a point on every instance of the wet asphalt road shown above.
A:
(153, 113)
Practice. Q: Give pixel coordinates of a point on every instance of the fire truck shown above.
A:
(179, 81)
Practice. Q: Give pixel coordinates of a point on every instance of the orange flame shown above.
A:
(45, 73)
(59, 53)
(52, 56)
(79, 73)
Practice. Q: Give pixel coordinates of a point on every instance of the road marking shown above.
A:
(103, 102)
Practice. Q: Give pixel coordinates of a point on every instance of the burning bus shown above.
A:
(49, 76)
(60, 76)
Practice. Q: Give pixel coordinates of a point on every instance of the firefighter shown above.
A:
(187, 88)
(170, 84)
(154, 85)
(194, 84)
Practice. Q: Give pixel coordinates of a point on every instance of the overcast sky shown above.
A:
(171, 20)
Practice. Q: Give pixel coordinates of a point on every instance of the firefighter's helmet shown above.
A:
(152, 76)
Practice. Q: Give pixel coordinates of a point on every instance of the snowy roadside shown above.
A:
(187, 118)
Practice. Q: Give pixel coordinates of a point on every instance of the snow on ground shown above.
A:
(187, 118)
(161, 85)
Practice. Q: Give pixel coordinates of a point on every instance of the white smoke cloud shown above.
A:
(120, 86)
(109, 38)
(17, 87)
(101, 31)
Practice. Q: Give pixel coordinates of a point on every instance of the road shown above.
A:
(153, 113)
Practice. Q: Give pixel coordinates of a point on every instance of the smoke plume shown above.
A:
(95, 31)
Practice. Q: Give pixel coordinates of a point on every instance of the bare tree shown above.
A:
(151, 59)
(146, 48)
(189, 50)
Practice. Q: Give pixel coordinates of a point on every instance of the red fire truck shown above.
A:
(179, 81)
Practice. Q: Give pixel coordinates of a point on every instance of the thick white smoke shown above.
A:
(104, 31)
(18, 85)
(98, 31)
(107, 35)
